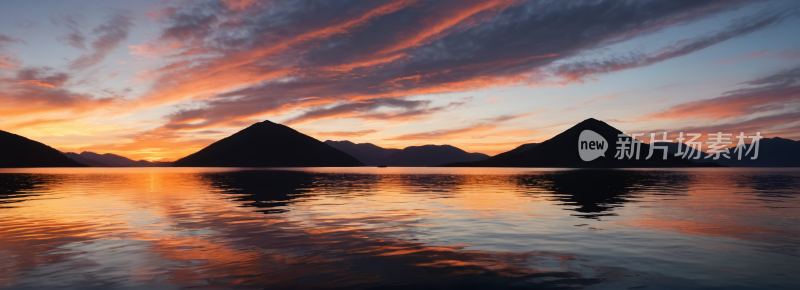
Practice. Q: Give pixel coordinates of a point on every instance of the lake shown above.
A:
(378, 228)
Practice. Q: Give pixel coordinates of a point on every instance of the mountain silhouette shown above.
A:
(18, 152)
(112, 160)
(367, 153)
(503, 158)
(772, 152)
(267, 144)
(93, 163)
(108, 158)
(413, 156)
(562, 151)
(430, 155)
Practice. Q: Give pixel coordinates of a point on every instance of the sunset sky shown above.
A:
(159, 80)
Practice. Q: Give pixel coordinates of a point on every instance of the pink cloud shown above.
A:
(738, 58)
(786, 54)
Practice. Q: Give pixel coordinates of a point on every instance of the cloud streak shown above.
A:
(767, 94)
(337, 60)
(485, 126)
(346, 134)
(738, 58)
(40, 90)
(9, 39)
(216, 65)
(109, 36)
(579, 71)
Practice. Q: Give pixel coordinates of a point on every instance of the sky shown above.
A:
(158, 80)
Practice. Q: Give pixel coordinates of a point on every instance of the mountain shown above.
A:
(772, 152)
(93, 163)
(430, 155)
(511, 155)
(562, 151)
(427, 155)
(17, 151)
(367, 153)
(267, 144)
(112, 160)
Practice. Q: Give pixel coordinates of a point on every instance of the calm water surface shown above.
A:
(427, 228)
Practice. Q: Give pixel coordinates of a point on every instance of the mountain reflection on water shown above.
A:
(430, 228)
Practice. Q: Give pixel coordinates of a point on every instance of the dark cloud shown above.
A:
(9, 39)
(328, 57)
(576, 71)
(76, 40)
(73, 23)
(788, 78)
(355, 109)
(195, 24)
(42, 77)
(109, 36)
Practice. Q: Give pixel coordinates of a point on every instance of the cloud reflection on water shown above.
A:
(316, 229)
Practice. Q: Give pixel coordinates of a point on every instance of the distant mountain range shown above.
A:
(773, 152)
(431, 155)
(367, 153)
(416, 156)
(267, 144)
(562, 151)
(17, 152)
(112, 160)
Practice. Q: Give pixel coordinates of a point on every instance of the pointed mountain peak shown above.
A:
(562, 151)
(267, 144)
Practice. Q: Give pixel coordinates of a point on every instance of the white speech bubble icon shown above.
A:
(591, 145)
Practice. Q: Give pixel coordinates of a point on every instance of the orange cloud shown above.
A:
(33, 123)
(35, 99)
(7, 63)
(227, 65)
(37, 83)
(346, 134)
(244, 68)
(150, 50)
(771, 93)
(444, 134)
(446, 18)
